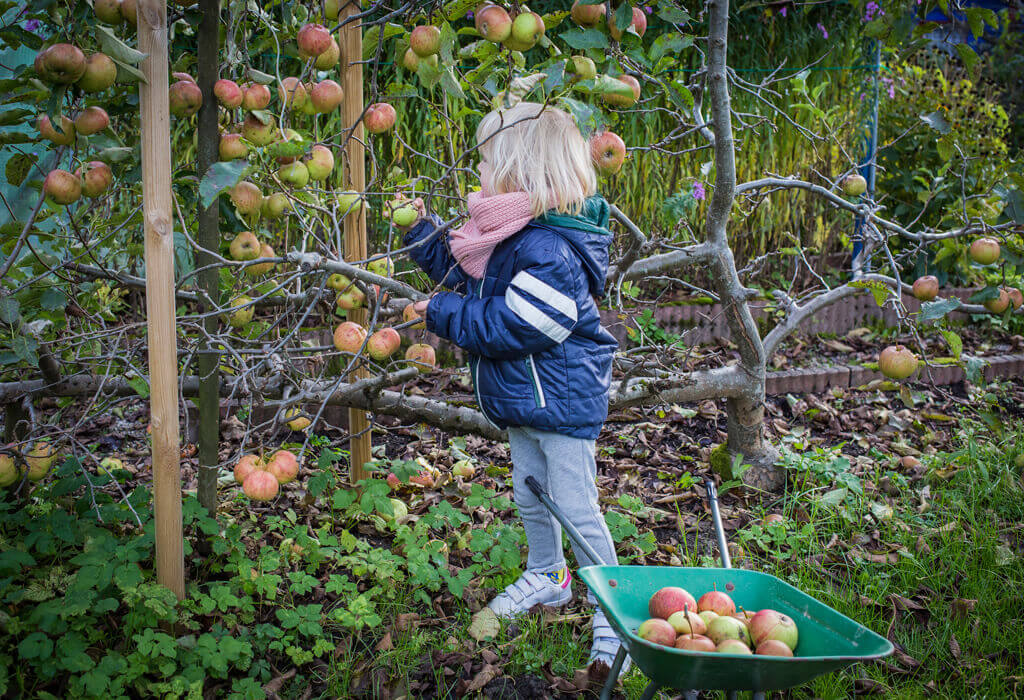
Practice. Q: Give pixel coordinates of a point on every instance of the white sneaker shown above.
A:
(606, 643)
(552, 589)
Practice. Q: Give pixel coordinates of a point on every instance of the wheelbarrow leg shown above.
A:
(613, 674)
(650, 691)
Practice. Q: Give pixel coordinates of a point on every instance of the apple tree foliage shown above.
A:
(71, 306)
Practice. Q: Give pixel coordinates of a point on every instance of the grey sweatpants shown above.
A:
(566, 469)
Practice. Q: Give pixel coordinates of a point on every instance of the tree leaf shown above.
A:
(879, 290)
(10, 310)
(580, 38)
(115, 48)
(127, 73)
(673, 15)
(25, 348)
(485, 624)
(450, 84)
(955, 343)
(624, 16)
(671, 43)
(984, 294)
(53, 299)
(931, 310)
(583, 114)
(220, 177)
(970, 58)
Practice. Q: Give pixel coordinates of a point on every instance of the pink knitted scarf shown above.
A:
(492, 219)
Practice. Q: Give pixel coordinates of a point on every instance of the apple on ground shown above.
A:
(380, 117)
(671, 599)
(463, 469)
(774, 519)
(421, 356)
(91, 120)
(608, 151)
(266, 251)
(855, 185)
(657, 631)
(383, 344)
(39, 460)
(295, 420)
(100, 73)
(694, 642)
(246, 465)
(65, 136)
(425, 40)
(897, 362)
(284, 466)
(185, 98)
(984, 251)
(245, 246)
(770, 624)
(393, 481)
(256, 96)
(349, 337)
(261, 486)
(62, 187)
(426, 477)
(925, 288)
(228, 94)
(717, 602)
(493, 23)
(398, 510)
(9, 472)
(243, 313)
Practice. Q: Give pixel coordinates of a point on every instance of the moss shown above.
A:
(721, 462)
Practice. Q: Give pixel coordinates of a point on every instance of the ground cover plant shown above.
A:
(729, 140)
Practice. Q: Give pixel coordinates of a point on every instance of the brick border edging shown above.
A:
(811, 380)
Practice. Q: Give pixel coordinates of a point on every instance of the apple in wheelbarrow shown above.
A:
(725, 627)
(657, 631)
(695, 642)
(733, 646)
(671, 599)
(770, 624)
(773, 647)
(707, 616)
(687, 622)
(717, 602)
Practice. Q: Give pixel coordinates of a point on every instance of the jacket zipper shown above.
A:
(538, 390)
(475, 371)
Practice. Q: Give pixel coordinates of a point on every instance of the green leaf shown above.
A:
(450, 84)
(970, 59)
(371, 38)
(10, 310)
(260, 77)
(956, 345)
(115, 48)
(13, 116)
(931, 310)
(484, 625)
(984, 294)
(945, 146)
(673, 14)
(833, 497)
(115, 154)
(975, 369)
(879, 290)
(52, 299)
(624, 16)
(139, 384)
(583, 114)
(936, 121)
(38, 646)
(580, 38)
(285, 149)
(671, 43)
(127, 73)
(220, 177)
(680, 95)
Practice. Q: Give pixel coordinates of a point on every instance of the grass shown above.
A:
(950, 597)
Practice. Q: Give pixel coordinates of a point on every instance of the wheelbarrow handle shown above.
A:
(570, 529)
(716, 517)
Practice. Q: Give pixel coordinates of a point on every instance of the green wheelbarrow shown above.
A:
(829, 640)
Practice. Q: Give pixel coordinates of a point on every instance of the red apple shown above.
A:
(62, 187)
(319, 163)
(313, 40)
(96, 178)
(717, 602)
(926, 288)
(258, 133)
(694, 642)
(64, 137)
(608, 151)
(770, 624)
(245, 246)
(1000, 304)
(232, 147)
(246, 197)
(587, 15)
(92, 120)
(493, 23)
(275, 205)
(421, 356)
(266, 251)
(687, 622)
(773, 647)
(774, 519)
(425, 40)
(625, 96)
(246, 466)
(284, 466)
(256, 96)
(351, 298)
(108, 11)
(639, 24)
(383, 344)
(130, 11)
(671, 599)
(326, 96)
(62, 63)
(100, 73)
(657, 631)
(409, 314)
(984, 251)
(897, 362)
(393, 481)
(732, 646)
(380, 117)
(261, 486)
(329, 58)
(349, 337)
(185, 98)
(228, 94)
(1016, 297)
(292, 92)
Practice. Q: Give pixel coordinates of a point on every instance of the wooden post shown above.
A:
(158, 221)
(209, 238)
(351, 42)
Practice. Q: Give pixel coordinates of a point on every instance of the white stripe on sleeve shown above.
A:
(535, 317)
(546, 293)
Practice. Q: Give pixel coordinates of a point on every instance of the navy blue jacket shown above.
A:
(539, 356)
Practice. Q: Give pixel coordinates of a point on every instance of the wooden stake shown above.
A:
(159, 228)
(351, 43)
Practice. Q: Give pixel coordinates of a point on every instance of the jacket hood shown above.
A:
(588, 234)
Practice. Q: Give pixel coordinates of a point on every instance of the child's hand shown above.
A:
(405, 213)
(420, 307)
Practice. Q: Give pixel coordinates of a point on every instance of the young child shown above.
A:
(525, 271)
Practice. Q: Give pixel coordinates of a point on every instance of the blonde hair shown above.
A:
(537, 149)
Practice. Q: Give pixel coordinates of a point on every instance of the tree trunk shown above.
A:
(209, 239)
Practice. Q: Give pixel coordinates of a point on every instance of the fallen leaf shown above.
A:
(275, 684)
(484, 625)
(482, 678)
(406, 621)
(385, 643)
(963, 606)
(868, 686)
(954, 647)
